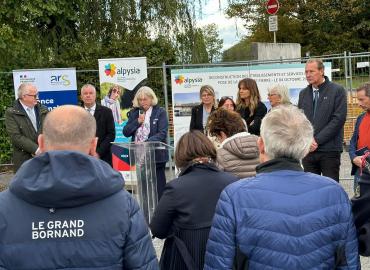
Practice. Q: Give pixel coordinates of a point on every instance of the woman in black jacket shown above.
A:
(249, 105)
(185, 211)
(200, 113)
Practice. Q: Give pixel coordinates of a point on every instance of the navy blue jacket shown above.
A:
(330, 115)
(353, 142)
(158, 129)
(283, 218)
(67, 210)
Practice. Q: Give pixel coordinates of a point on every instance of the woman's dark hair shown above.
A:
(227, 121)
(192, 145)
(223, 100)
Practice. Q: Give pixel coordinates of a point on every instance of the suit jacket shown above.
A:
(105, 131)
(158, 129)
(196, 121)
(331, 113)
(22, 133)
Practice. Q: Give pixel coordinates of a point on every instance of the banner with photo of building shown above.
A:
(186, 84)
(56, 86)
(120, 78)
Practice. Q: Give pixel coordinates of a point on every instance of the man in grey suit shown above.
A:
(325, 105)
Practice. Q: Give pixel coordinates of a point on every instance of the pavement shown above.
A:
(346, 180)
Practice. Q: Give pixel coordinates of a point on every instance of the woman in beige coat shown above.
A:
(238, 152)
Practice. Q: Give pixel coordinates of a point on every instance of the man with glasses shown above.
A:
(23, 123)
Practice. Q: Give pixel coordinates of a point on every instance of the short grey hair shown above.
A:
(69, 125)
(85, 86)
(366, 88)
(23, 89)
(283, 93)
(286, 132)
(144, 91)
(318, 61)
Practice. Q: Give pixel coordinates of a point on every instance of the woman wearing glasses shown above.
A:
(200, 113)
(111, 100)
(249, 105)
(277, 95)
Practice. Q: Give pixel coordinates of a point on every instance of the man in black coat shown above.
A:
(105, 129)
(325, 105)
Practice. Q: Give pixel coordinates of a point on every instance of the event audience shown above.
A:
(23, 124)
(185, 211)
(283, 218)
(147, 122)
(227, 103)
(66, 209)
(249, 105)
(238, 153)
(200, 113)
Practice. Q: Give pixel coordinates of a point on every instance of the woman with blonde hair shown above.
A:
(278, 94)
(200, 113)
(249, 105)
(147, 122)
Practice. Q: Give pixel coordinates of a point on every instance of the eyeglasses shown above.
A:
(116, 91)
(270, 95)
(34, 96)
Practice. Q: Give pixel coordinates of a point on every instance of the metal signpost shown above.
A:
(272, 7)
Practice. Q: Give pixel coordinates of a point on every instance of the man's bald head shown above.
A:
(68, 127)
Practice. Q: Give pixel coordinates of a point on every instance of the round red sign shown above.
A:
(272, 7)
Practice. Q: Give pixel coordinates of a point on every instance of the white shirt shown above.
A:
(91, 110)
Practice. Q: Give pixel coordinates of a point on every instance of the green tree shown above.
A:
(213, 42)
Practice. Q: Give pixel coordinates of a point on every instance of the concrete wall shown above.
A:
(274, 51)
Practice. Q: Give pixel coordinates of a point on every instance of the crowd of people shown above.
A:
(256, 189)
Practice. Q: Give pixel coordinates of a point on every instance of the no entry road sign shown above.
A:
(272, 7)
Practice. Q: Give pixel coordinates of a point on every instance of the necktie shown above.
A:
(315, 101)
(89, 110)
(32, 117)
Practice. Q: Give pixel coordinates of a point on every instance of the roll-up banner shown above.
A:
(56, 86)
(126, 74)
(120, 78)
(186, 84)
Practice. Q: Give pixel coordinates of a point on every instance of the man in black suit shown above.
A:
(105, 130)
(325, 105)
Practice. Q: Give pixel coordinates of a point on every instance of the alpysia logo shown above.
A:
(179, 79)
(110, 70)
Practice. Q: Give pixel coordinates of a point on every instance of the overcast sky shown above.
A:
(230, 30)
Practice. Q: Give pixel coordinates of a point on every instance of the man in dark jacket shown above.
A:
(23, 124)
(105, 129)
(325, 105)
(283, 218)
(68, 210)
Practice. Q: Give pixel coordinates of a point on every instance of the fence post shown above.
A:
(350, 70)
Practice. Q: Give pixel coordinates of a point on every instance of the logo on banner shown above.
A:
(110, 70)
(180, 79)
(23, 78)
(60, 80)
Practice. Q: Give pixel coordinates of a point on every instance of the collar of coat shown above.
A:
(190, 167)
(279, 164)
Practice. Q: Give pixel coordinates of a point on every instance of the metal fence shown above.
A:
(348, 69)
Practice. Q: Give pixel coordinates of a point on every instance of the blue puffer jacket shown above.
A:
(66, 210)
(283, 219)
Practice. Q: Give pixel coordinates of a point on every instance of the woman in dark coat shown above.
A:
(185, 211)
(147, 122)
(200, 113)
(249, 105)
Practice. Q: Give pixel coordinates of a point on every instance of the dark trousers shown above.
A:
(161, 177)
(325, 163)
